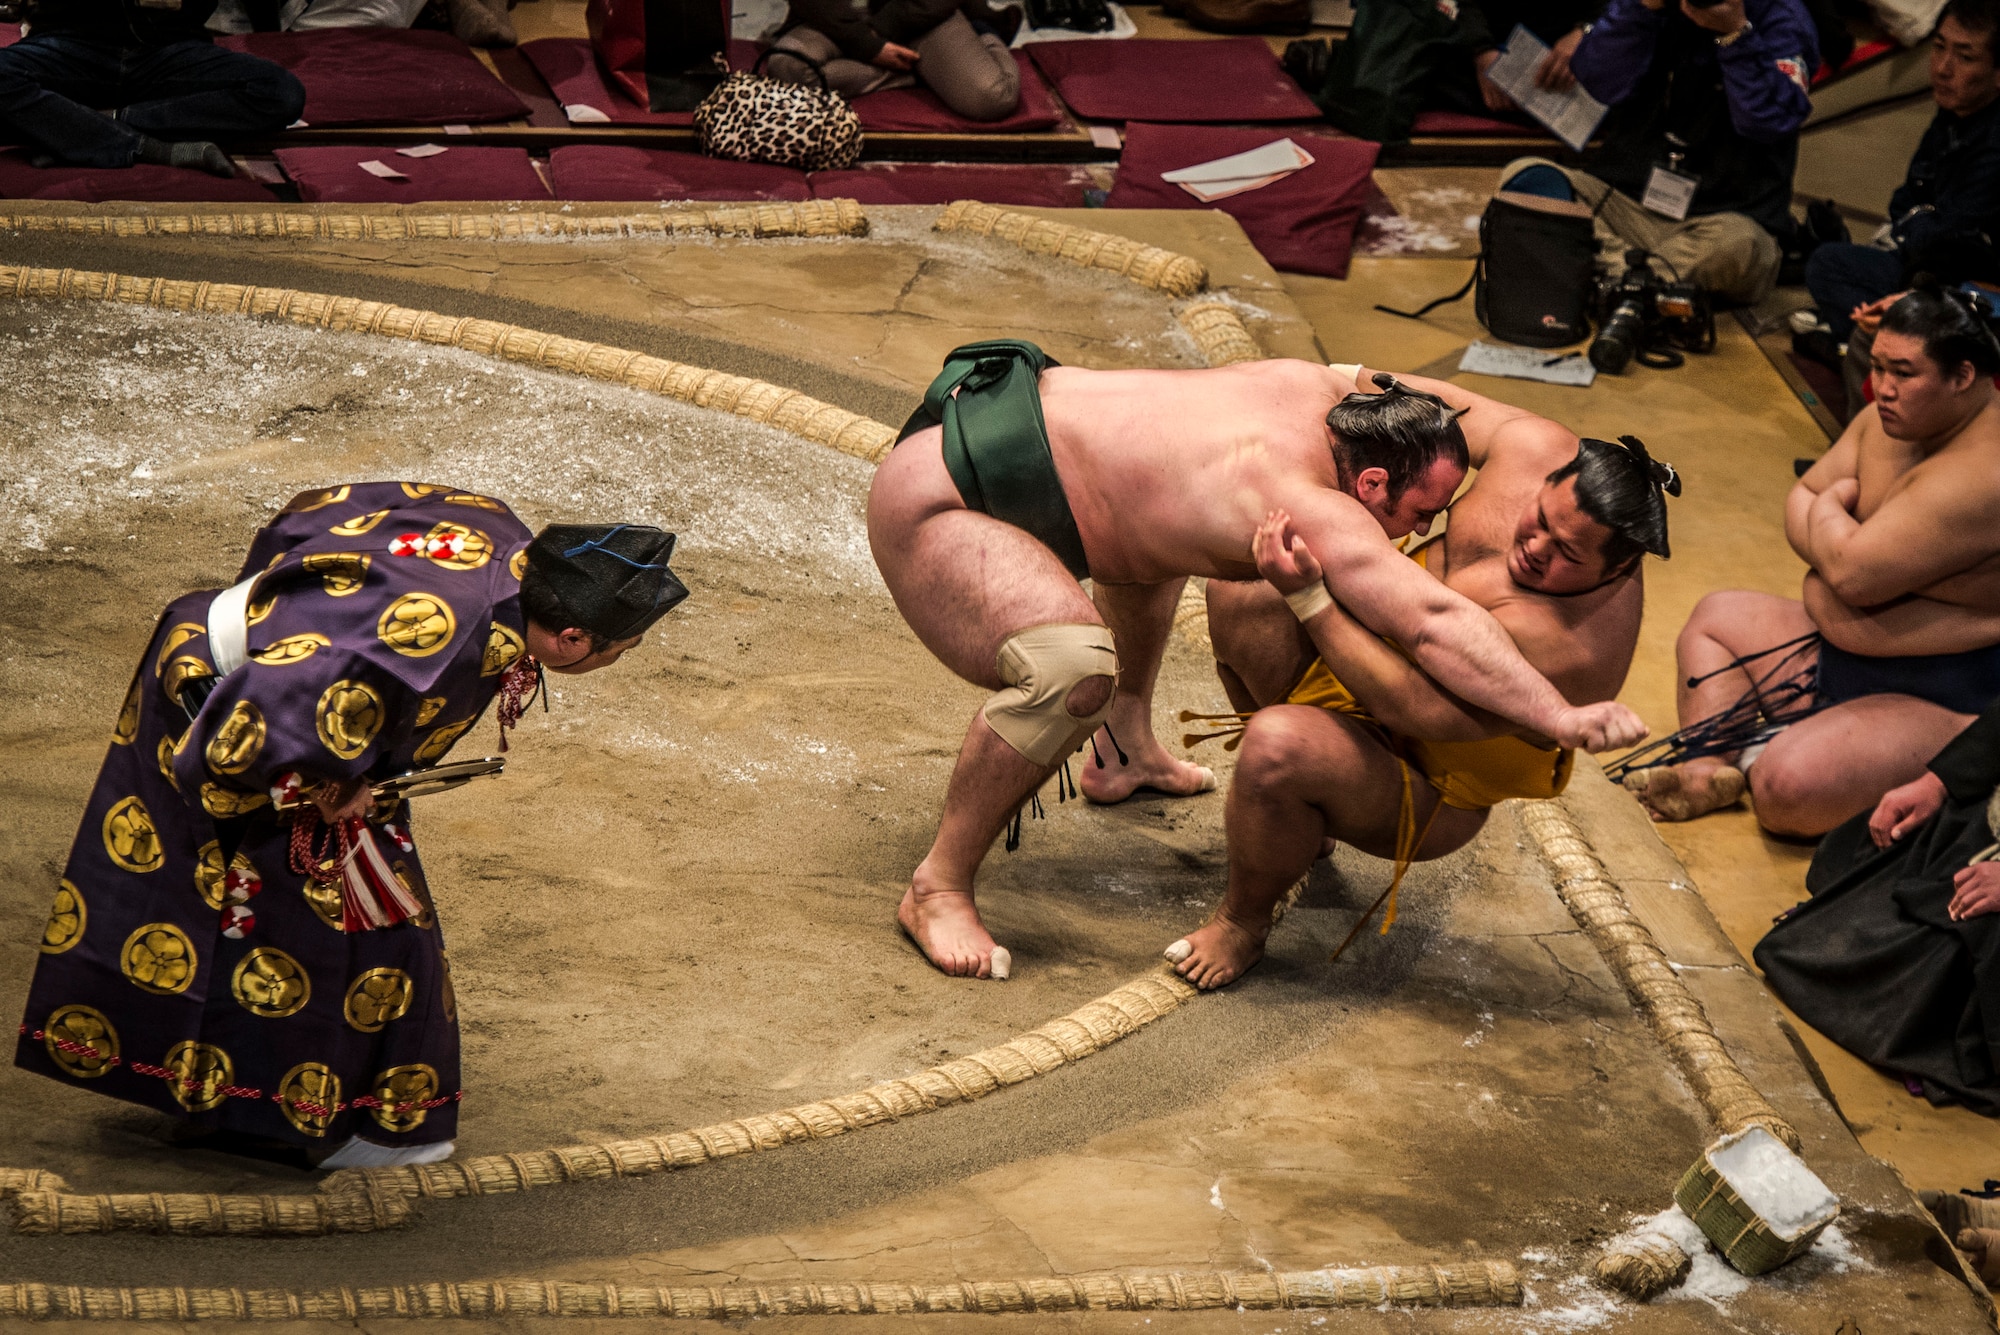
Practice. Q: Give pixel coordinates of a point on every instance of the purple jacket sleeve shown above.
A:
(1766, 72)
(1615, 54)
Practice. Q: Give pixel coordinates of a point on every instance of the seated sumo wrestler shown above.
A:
(277, 980)
(1351, 742)
(1896, 522)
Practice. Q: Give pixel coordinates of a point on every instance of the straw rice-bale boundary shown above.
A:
(813, 218)
(1477, 1284)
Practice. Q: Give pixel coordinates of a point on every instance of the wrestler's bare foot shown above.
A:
(946, 927)
(1218, 952)
(1141, 762)
(1682, 792)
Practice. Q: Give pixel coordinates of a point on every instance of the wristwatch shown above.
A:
(1730, 40)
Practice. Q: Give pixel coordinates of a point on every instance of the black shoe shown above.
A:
(1306, 62)
(1824, 223)
(1818, 345)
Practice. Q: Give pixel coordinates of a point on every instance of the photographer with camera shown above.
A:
(1702, 138)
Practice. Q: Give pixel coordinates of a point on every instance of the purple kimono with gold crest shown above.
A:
(224, 989)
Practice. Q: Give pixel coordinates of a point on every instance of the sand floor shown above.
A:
(675, 907)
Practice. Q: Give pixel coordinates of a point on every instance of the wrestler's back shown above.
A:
(1170, 472)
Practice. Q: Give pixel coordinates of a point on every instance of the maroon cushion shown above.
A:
(145, 182)
(334, 175)
(1159, 79)
(10, 33)
(1303, 223)
(918, 110)
(1459, 122)
(569, 66)
(385, 76)
(596, 171)
(1054, 187)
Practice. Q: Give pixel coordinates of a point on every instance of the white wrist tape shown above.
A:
(1309, 602)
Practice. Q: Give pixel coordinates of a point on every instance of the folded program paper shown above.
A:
(1240, 172)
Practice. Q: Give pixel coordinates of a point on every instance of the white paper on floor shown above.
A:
(1518, 363)
(422, 151)
(1233, 175)
(383, 170)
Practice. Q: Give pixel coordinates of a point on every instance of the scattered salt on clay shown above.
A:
(1775, 1183)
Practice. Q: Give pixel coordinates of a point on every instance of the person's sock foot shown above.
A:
(202, 156)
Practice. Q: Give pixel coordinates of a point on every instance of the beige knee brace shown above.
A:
(1041, 665)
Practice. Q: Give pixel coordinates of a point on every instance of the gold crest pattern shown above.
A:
(209, 873)
(309, 1096)
(350, 714)
(67, 918)
(179, 635)
(180, 672)
(402, 1092)
(428, 709)
(201, 1072)
(159, 958)
(423, 917)
(449, 993)
(377, 998)
(127, 726)
(340, 573)
(473, 498)
(417, 625)
(291, 649)
(224, 803)
(271, 984)
(168, 750)
(130, 837)
(456, 547)
(81, 1041)
(323, 897)
(237, 740)
(416, 491)
(360, 524)
(442, 740)
(503, 646)
(317, 500)
(258, 609)
(517, 564)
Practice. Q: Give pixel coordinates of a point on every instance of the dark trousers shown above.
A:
(1841, 276)
(50, 82)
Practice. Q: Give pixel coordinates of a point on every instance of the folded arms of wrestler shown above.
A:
(1456, 644)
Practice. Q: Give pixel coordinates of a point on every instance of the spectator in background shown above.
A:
(474, 22)
(173, 92)
(958, 48)
(1699, 148)
(1945, 215)
(1487, 24)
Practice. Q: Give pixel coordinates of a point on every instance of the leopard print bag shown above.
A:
(753, 117)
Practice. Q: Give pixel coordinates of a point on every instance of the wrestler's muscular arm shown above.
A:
(1843, 461)
(1453, 640)
(1934, 527)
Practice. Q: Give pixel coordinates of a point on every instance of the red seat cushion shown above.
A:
(1054, 187)
(569, 66)
(385, 76)
(1458, 122)
(1148, 79)
(334, 175)
(1303, 223)
(595, 171)
(919, 110)
(93, 185)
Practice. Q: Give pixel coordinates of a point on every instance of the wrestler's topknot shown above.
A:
(1401, 431)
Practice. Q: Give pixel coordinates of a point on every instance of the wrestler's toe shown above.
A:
(1178, 951)
(1207, 784)
(1000, 964)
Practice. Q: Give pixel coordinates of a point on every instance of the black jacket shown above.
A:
(1873, 959)
(1947, 211)
(122, 22)
(1737, 109)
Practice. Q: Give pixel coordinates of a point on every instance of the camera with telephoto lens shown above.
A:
(1642, 318)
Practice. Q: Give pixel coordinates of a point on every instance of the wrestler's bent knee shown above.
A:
(1041, 666)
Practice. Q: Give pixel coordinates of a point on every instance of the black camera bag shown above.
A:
(1534, 274)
